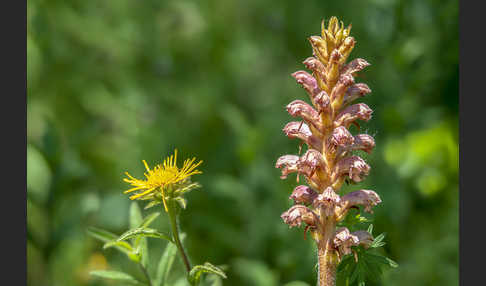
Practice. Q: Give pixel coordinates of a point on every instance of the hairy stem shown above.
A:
(175, 233)
(326, 255)
(145, 272)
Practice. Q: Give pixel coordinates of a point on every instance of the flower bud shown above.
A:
(305, 111)
(366, 198)
(351, 113)
(355, 167)
(315, 65)
(308, 82)
(327, 200)
(310, 161)
(298, 214)
(363, 142)
(303, 195)
(354, 66)
(355, 91)
(289, 164)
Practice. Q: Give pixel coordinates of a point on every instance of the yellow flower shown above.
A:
(161, 178)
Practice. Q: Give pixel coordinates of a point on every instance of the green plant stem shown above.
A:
(175, 233)
(145, 272)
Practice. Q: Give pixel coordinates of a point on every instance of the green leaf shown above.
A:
(370, 229)
(196, 272)
(115, 275)
(109, 238)
(101, 234)
(182, 202)
(377, 242)
(149, 219)
(152, 204)
(186, 189)
(143, 232)
(135, 215)
(165, 264)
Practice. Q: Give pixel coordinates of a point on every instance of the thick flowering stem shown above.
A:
(329, 160)
(326, 256)
(172, 211)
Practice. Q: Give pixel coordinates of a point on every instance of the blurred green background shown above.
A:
(113, 82)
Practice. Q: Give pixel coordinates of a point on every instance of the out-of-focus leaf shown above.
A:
(139, 242)
(165, 264)
(149, 219)
(115, 275)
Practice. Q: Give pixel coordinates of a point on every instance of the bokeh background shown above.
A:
(113, 82)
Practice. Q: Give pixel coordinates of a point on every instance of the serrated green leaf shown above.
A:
(143, 232)
(165, 264)
(195, 274)
(149, 219)
(115, 275)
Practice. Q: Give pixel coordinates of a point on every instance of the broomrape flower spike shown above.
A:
(163, 180)
(328, 161)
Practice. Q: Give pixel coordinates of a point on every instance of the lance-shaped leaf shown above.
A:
(355, 91)
(139, 242)
(107, 237)
(288, 163)
(327, 200)
(165, 264)
(354, 167)
(366, 198)
(305, 111)
(303, 194)
(143, 232)
(195, 274)
(115, 275)
(308, 82)
(298, 214)
(352, 113)
(354, 66)
(148, 219)
(310, 162)
(301, 131)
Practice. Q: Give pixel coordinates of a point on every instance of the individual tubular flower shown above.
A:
(354, 167)
(298, 214)
(366, 198)
(329, 159)
(163, 179)
(303, 195)
(288, 163)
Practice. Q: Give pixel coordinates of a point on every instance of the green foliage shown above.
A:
(165, 264)
(195, 274)
(116, 275)
(364, 265)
